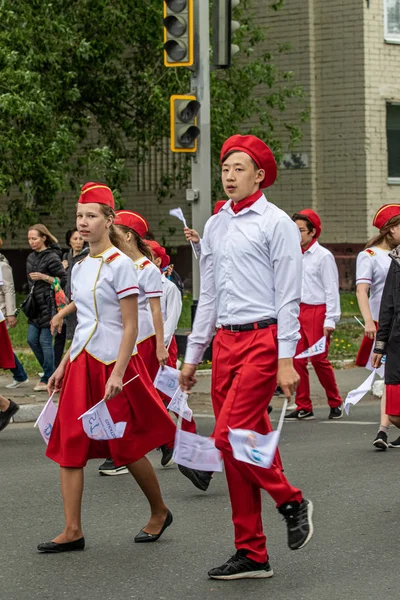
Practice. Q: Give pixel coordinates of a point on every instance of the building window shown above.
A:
(393, 141)
(392, 21)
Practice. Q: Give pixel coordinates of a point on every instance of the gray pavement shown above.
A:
(353, 555)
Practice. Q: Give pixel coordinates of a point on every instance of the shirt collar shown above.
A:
(259, 206)
(312, 248)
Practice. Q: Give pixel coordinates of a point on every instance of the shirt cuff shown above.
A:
(329, 323)
(286, 348)
(194, 354)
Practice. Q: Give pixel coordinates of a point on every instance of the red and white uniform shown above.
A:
(98, 284)
(372, 268)
(171, 308)
(319, 308)
(250, 270)
(150, 286)
(7, 360)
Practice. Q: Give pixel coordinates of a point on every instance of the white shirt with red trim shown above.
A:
(372, 268)
(320, 283)
(250, 270)
(2, 317)
(171, 308)
(98, 283)
(150, 286)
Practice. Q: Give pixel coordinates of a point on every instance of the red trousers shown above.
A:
(147, 352)
(243, 382)
(311, 330)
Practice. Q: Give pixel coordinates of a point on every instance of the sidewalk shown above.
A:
(31, 402)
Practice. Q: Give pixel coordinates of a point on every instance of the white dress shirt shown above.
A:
(171, 308)
(321, 282)
(97, 286)
(372, 268)
(250, 270)
(150, 286)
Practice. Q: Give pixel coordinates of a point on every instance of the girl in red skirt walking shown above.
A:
(8, 408)
(102, 356)
(372, 267)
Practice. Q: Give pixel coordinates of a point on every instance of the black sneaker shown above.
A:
(269, 409)
(395, 444)
(6, 415)
(298, 519)
(304, 415)
(200, 479)
(241, 567)
(336, 413)
(108, 468)
(381, 441)
(166, 459)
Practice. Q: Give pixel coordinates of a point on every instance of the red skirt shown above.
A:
(148, 422)
(147, 351)
(7, 360)
(393, 399)
(173, 353)
(365, 350)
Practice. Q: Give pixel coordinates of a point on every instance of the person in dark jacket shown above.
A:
(78, 250)
(43, 265)
(388, 337)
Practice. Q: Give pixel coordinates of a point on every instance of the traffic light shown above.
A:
(178, 33)
(184, 130)
(222, 29)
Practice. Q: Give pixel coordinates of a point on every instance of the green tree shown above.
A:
(83, 88)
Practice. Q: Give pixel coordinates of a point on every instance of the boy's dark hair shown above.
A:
(300, 217)
(253, 162)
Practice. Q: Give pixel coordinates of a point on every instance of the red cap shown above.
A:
(131, 219)
(218, 205)
(385, 213)
(98, 193)
(257, 150)
(313, 218)
(159, 252)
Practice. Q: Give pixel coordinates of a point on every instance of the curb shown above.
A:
(28, 413)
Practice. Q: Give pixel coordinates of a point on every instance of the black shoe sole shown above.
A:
(391, 446)
(380, 445)
(262, 574)
(191, 475)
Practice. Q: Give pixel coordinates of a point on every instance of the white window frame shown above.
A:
(391, 38)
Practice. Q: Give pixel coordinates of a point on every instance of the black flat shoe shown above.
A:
(143, 537)
(54, 548)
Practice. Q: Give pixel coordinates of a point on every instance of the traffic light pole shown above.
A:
(201, 164)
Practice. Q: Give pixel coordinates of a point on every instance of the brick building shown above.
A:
(346, 54)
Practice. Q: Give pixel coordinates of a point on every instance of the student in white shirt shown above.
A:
(372, 268)
(319, 313)
(102, 356)
(250, 286)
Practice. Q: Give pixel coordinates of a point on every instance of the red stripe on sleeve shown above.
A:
(133, 287)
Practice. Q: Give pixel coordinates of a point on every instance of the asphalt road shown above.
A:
(354, 554)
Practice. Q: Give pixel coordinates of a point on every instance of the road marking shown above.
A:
(339, 421)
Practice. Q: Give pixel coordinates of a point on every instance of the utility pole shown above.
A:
(201, 165)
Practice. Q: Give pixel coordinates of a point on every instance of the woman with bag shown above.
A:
(77, 251)
(42, 267)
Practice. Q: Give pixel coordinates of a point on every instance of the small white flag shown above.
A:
(178, 213)
(317, 348)
(196, 452)
(380, 370)
(167, 380)
(45, 420)
(355, 395)
(180, 406)
(98, 424)
(254, 448)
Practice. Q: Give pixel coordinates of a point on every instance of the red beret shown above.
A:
(314, 219)
(384, 214)
(257, 150)
(218, 205)
(132, 220)
(98, 193)
(159, 252)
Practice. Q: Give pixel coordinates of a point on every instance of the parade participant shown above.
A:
(7, 360)
(102, 355)
(8, 408)
(250, 270)
(372, 267)
(77, 250)
(150, 339)
(388, 335)
(191, 235)
(319, 313)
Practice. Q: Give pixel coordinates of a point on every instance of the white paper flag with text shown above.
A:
(98, 424)
(178, 213)
(180, 406)
(167, 380)
(355, 395)
(317, 348)
(196, 452)
(45, 420)
(254, 448)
